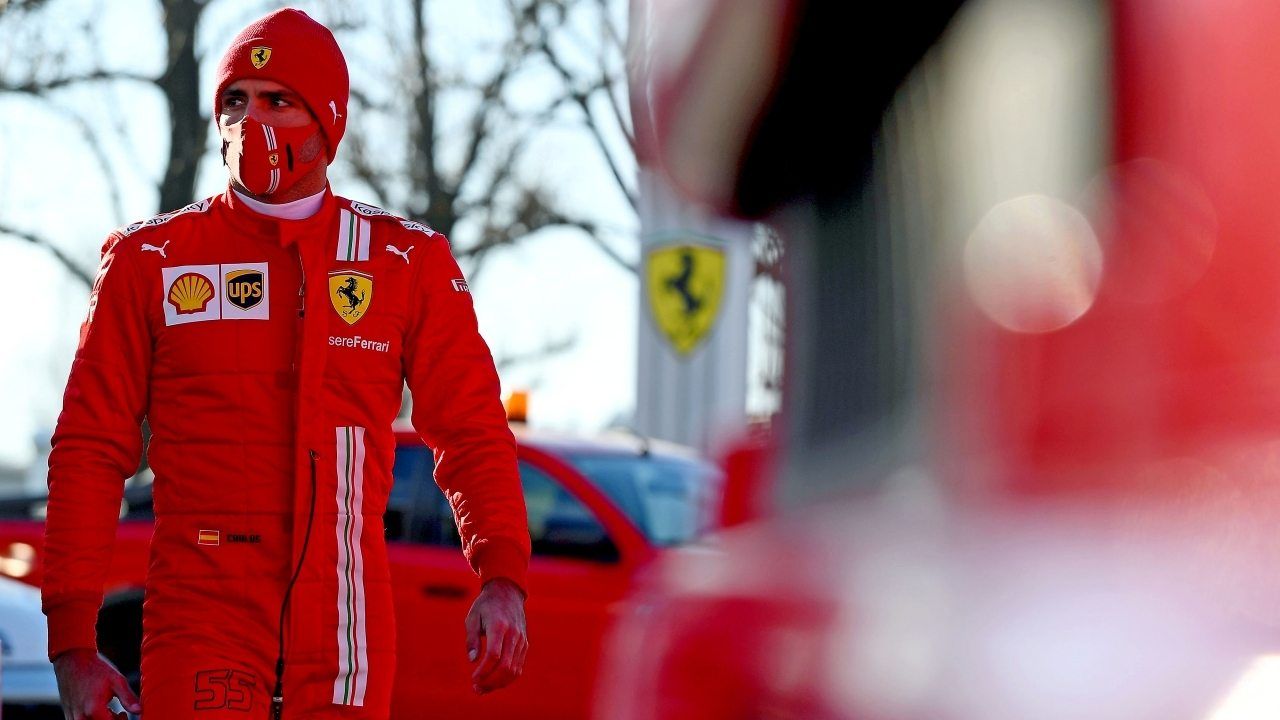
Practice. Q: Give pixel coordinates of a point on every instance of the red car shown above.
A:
(599, 509)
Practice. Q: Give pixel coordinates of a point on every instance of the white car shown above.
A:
(26, 675)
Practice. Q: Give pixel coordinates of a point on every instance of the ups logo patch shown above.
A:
(244, 288)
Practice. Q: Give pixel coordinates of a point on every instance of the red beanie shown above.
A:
(290, 48)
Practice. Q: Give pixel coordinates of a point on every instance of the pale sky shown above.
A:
(555, 285)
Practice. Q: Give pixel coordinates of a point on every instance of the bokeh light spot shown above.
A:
(1033, 264)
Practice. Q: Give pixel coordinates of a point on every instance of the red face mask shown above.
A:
(266, 159)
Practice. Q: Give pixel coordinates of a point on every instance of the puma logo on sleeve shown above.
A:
(149, 246)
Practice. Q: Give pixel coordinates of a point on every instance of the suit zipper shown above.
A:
(277, 692)
(302, 287)
(302, 309)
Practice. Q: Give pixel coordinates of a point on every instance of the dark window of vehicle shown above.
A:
(416, 509)
(23, 508)
(671, 500)
(559, 524)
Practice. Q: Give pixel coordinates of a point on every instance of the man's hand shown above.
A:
(87, 682)
(498, 616)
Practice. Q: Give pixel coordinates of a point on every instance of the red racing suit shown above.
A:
(269, 357)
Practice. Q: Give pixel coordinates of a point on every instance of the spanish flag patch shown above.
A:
(209, 537)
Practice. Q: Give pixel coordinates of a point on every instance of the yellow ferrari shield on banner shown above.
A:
(350, 292)
(686, 283)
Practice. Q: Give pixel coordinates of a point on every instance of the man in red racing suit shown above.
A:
(267, 333)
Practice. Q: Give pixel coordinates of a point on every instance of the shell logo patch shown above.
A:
(190, 293)
(350, 292)
(260, 56)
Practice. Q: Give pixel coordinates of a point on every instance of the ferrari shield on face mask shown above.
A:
(265, 159)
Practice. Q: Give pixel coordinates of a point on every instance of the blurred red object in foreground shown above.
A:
(1045, 487)
(749, 469)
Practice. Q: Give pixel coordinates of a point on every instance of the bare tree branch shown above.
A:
(369, 103)
(623, 119)
(110, 92)
(501, 175)
(357, 155)
(581, 99)
(593, 233)
(423, 170)
(76, 271)
(493, 237)
(546, 351)
(390, 36)
(611, 31)
(547, 114)
(17, 6)
(40, 87)
(616, 41)
(532, 214)
(479, 121)
(500, 210)
(180, 84)
(104, 163)
(529, 214)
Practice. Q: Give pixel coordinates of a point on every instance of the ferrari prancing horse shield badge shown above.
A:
(685, 284)
(259, 56)
(350, 292)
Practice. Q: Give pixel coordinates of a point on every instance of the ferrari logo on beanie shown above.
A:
(259, 56)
